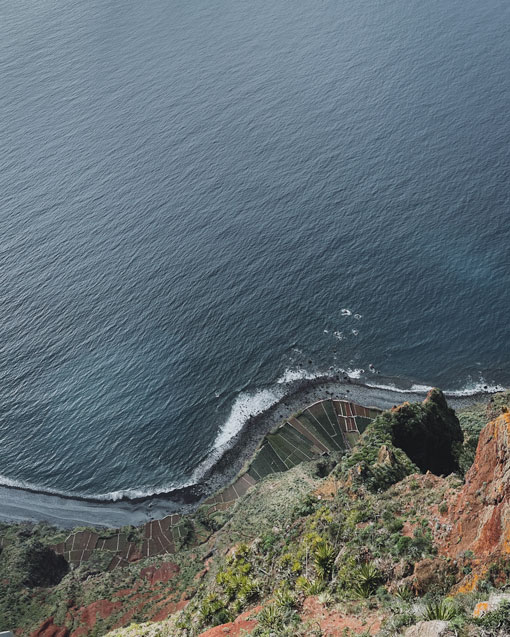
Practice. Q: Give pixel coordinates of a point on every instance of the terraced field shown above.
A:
(324, 427)
(159, 537)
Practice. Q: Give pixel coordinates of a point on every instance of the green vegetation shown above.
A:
(424, 436)
(351, 534)
(496, 622)
(442, 610)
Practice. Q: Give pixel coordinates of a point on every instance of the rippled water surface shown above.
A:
(201, 201)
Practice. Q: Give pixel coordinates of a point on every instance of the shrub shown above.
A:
(395, 525)
(306, 507)
(213, 611)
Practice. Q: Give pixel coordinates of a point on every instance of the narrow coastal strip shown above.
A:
(321, 428)
(67, 511)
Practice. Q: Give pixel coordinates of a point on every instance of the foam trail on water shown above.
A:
(112, 496)
(481, 387)
(291, 375)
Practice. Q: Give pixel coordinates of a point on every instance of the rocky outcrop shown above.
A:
(420, 436)
(35, 564)
(493, 603)
(481, 514)
(436, 628)
(429, 433)
(432, 575)
(49, 629)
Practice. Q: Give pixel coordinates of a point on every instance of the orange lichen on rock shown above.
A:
(480, 609)
(468, 584)
(481, 512)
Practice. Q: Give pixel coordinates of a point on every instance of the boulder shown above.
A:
(432, 575)
(436, 628)
(493, 603)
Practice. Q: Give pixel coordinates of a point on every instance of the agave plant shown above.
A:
(326, 598)
(366, 580)
(270, 617)
(439, 610)
(404, 593)
(284, 598)
(324, 560)
(315, 587)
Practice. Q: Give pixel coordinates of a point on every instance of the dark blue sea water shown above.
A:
(202, 200)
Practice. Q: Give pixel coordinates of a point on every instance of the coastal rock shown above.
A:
(36, 564)
(421, 436)
(498, 404)
(428, 433)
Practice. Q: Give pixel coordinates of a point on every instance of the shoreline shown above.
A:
(20, 504)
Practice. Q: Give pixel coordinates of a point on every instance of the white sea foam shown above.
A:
(339, 335)
(345, 312)
(111, 496)
(246, 405)
(414, 389)
(480, 387)
(471, 389)
(291, 375)
(357, 316)
(355, 332)
(353, 373)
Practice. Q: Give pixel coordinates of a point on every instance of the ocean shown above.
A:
(204, 203)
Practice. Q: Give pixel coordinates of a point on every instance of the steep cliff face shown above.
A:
(429, 433)
(481, 514)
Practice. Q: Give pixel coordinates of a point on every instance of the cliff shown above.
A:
(384, 538)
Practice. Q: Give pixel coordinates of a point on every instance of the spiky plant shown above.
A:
(324, 560)
(443, 610)
(284, 598)
(366, 580)
(404, 593)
